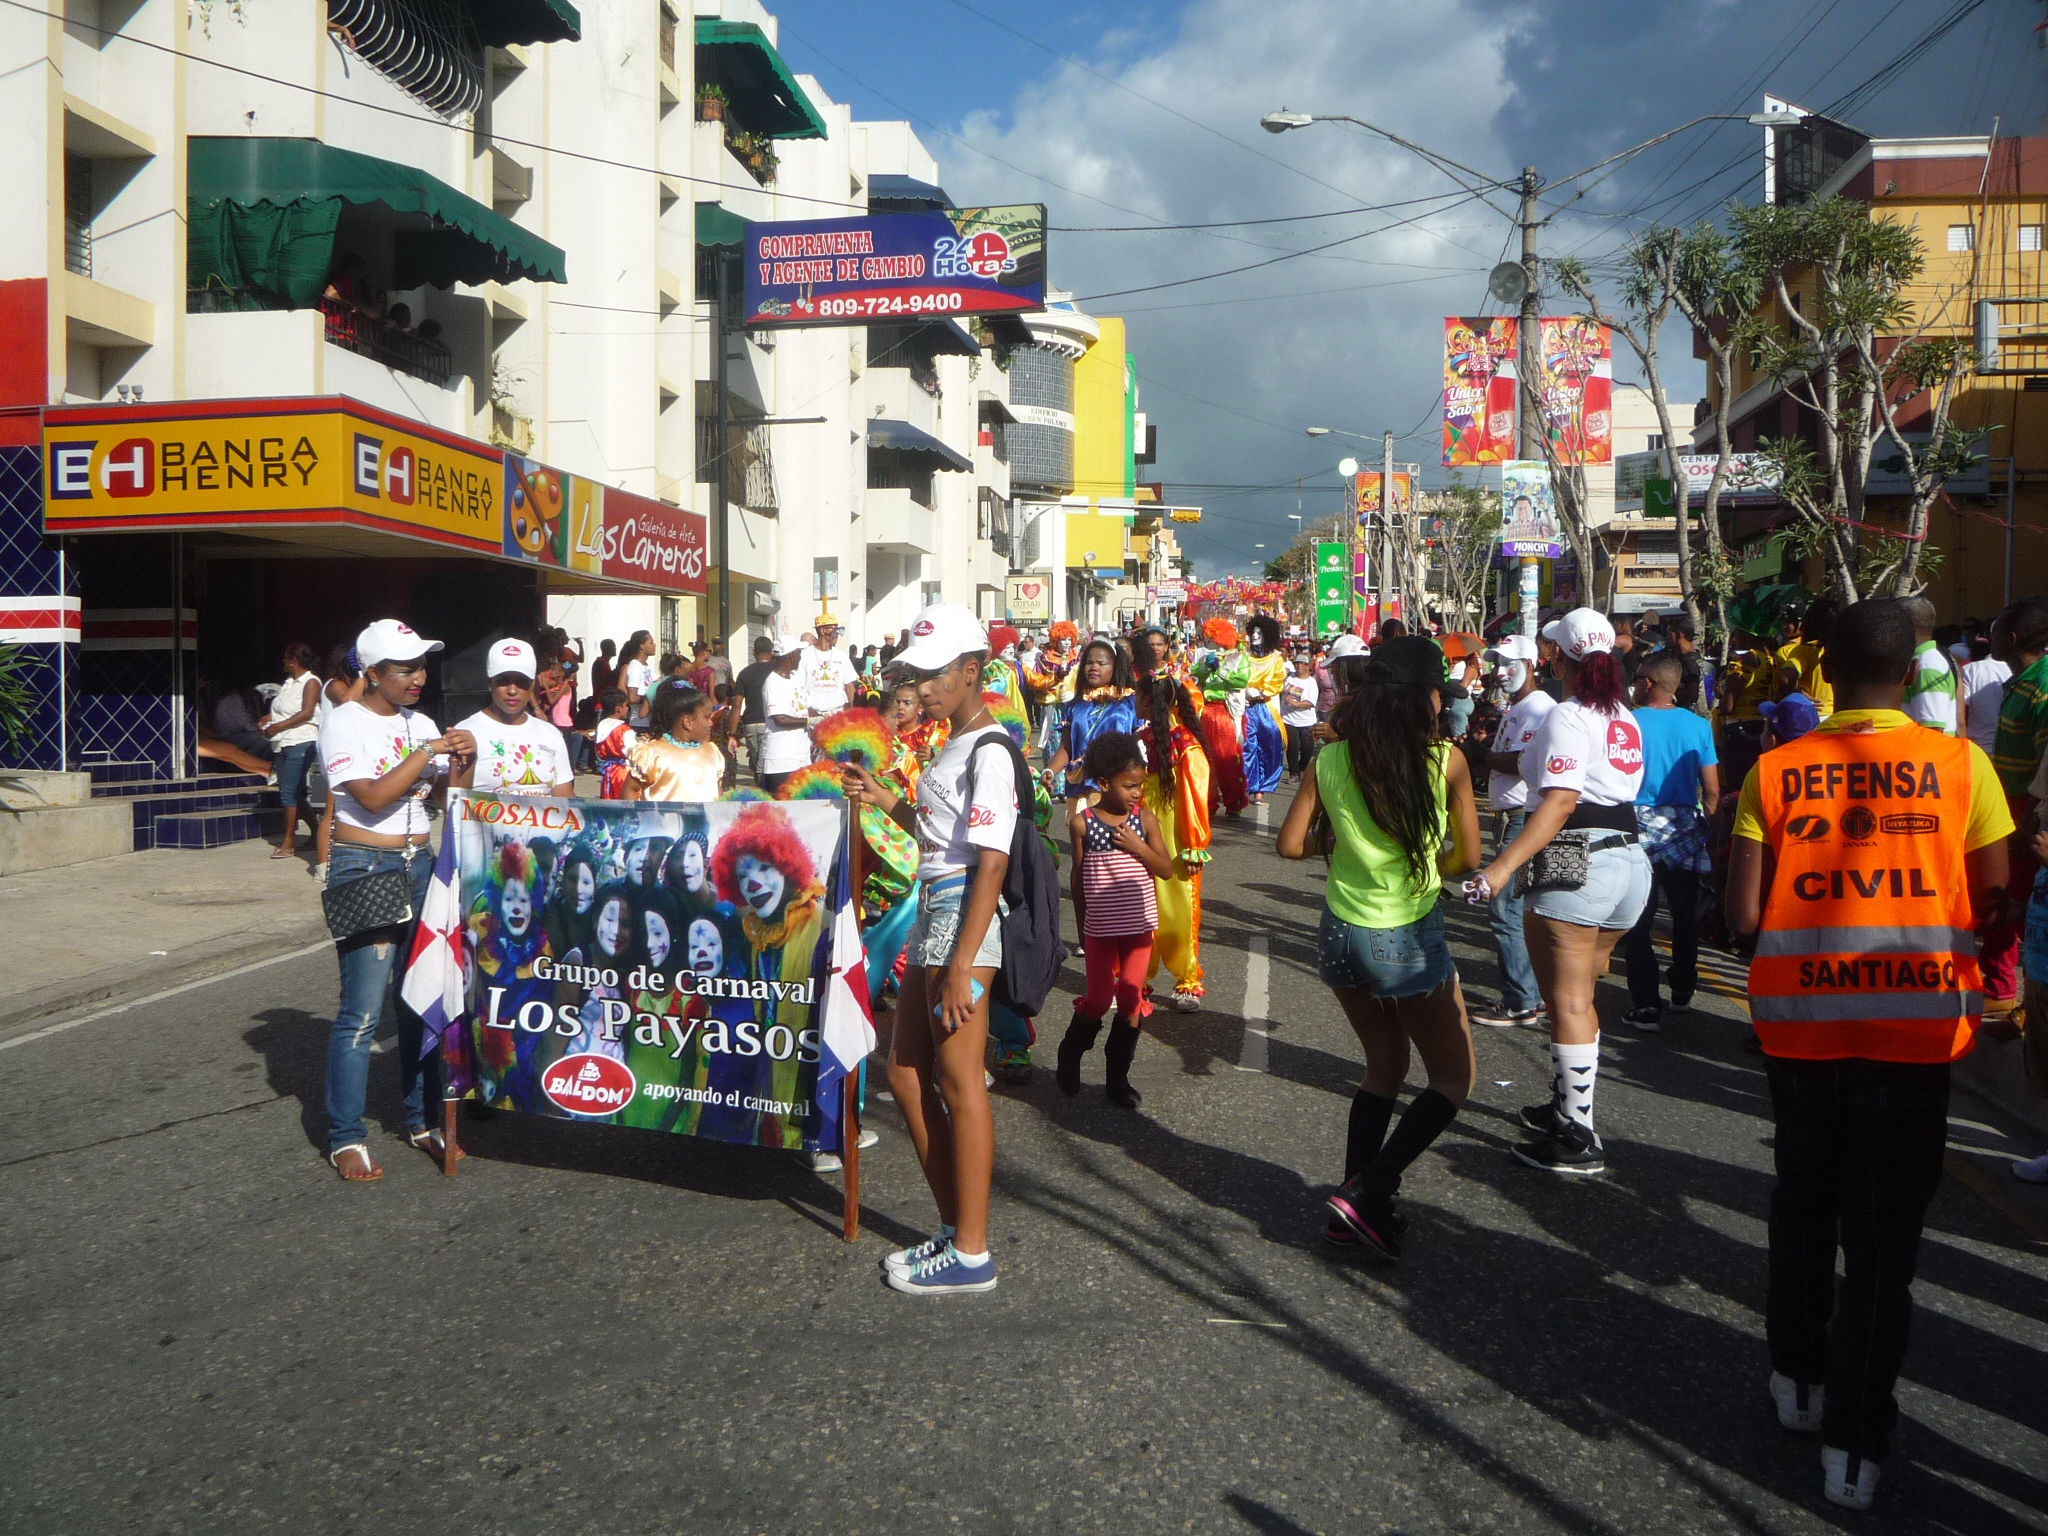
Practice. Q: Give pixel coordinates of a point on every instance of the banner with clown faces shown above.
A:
(653, 964)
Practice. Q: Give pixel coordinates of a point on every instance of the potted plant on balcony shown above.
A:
(711, 100)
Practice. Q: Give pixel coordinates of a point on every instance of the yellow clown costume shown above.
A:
(1182, 810)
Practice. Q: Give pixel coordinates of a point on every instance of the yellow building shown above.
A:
(1978, 206)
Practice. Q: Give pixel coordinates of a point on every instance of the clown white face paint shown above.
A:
(659, 940)
(693, 866)
(707, 947)
(586, 888)
(611, 927)
(517, 906)
(761, 884)
(636, 861)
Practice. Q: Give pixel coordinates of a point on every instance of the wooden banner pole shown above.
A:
(849, 1103)
(450, 1152)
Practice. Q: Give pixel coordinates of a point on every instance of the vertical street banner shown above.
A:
(1369, 500)
(1576, 386)
(658, 964)
(1332, 605)
(1479, 389)
(1529, 524)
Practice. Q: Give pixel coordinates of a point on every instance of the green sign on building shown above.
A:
(1332, 607)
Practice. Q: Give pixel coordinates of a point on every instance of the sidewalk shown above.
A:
(148, 920)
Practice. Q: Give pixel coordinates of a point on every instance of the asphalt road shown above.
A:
(201, 1328)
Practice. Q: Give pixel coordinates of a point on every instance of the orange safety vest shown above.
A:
(1866, 946)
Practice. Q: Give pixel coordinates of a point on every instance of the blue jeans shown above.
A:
(1518, 990)
(370, 963)
(291, 764)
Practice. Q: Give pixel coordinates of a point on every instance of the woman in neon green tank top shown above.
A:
(1402, 818)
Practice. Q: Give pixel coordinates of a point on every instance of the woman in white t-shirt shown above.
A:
(964, 812)
(1981, 683)
(384, 760)
(1301, 701)
(636, 676)
(1583, 769)
(293, 736)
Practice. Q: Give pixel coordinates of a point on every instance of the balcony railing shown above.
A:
(379, 340)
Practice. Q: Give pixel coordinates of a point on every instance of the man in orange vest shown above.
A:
(1867, 853)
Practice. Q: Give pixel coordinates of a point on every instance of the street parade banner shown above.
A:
(940, 263)
(1479, 389)
(694, 968)
(1529, 524)
(1577, 388)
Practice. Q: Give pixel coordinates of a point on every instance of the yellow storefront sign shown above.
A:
(224, 464)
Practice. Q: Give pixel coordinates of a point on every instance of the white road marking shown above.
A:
(1257, 999)
(157, 997)
(1259, 815)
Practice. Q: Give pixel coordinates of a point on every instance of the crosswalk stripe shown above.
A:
(1251, 1056)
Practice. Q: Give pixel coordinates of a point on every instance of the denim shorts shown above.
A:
(291, 764)
(1409, 961)
(1617, 889)
(936, 933)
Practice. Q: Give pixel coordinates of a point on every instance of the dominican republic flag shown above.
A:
(848, 1028)
(434, 985)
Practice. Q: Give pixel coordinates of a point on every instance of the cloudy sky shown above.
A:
(1127, 117)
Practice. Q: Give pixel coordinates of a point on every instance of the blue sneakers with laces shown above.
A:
(943, 1274)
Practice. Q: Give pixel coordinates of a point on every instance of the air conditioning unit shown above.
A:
(763, 602)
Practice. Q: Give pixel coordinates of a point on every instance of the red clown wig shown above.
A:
(763, 831)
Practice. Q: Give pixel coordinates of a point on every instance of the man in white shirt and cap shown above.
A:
(825, 675)
(787, 745)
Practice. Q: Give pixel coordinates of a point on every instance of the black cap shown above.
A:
(1411, 661)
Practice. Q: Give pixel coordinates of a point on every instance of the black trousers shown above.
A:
(1859, 1153)
(1301, 747)
(1680, 891)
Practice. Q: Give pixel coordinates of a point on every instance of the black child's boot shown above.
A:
(1117, 1053)
(1078, 1041)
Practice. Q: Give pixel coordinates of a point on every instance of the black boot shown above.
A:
(1117, 1051)
(1078, 1041)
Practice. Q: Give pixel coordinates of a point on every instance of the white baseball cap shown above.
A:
(1580, 633)
(1346, 645)
(942, 634)
(786, 645)
(1513, 648)
(510, 656)
(390, 640)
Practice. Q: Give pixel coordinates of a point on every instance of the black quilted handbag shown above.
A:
(381, 900)
(1560, 865)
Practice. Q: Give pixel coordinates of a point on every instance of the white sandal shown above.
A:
(371, 1172)
(433, 1142)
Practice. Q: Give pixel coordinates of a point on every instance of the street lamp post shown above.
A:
(1529, 185)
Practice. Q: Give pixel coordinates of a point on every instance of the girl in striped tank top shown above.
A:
(1118, 851)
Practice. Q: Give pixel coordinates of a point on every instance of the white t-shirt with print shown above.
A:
(949, 830)
(358, 743)
(640, 675)
(1300, 699)
(1600, 756)
(784, 750)
(1518, 727)
(822, 677)
(529, 758)
(1983, 689)
(289, 699)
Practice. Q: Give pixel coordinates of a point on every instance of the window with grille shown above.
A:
(2030, 237)
(1961, 237)
(78, 215)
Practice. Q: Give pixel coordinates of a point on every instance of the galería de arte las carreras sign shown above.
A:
(285, 463)
(938, 263)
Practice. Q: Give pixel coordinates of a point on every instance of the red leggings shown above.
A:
(1116, 974)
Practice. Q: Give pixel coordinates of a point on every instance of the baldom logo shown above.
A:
(589, 1085)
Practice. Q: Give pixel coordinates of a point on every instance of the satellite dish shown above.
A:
(1508, 282)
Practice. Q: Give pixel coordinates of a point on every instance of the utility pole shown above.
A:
(1386, 547)
(1528, 367)
(724, 490)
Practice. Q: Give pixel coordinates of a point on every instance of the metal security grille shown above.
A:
(78, 215)
(428, 48)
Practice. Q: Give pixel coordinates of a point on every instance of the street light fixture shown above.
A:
(1281, 121)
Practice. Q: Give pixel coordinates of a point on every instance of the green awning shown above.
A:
(715, 226)
(765, 97)
(499, 22)
(259, 206)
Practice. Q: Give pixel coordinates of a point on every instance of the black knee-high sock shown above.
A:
(1370, 1114)
(1421, 1123)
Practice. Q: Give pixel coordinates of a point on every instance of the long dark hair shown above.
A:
(1390, 730)
(1120, 675)
(1162, 698)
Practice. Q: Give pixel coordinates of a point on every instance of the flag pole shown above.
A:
(849, 1086)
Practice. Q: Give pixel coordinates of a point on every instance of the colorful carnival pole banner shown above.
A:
(1576, 386)
(1529, 524)
(1332, 604)
(1479, 389)
(684, 967)
(940, 263)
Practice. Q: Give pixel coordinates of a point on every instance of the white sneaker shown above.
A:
(1187, 1002)
(1799, 1405)
(2033, 1171)
(1850, 1481)
(867, 1138)
(826, 1162)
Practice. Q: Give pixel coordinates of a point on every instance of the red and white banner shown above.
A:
(38, 621)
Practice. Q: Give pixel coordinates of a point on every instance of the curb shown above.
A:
(196, 962)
